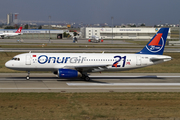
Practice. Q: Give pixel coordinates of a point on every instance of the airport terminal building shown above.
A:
(87, 32)
(120, 33)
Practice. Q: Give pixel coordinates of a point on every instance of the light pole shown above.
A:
(112, 29)
(49, 29)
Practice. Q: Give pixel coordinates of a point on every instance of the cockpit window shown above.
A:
(16, 59)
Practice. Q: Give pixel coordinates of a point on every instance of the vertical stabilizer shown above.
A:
(157, 43)
(19, 30)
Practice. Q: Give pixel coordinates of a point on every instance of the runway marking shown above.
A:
(123, 84)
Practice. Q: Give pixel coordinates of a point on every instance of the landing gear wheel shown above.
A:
(86, 78)
(27, 77)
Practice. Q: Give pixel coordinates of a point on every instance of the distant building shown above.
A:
(9, 19)
(120, 33)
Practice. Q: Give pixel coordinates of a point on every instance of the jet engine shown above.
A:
(68, 73)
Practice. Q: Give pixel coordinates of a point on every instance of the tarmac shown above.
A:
(100, 82)
(82, 46)
(81, 41)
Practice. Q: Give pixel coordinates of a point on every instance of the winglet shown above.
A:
(157, 43)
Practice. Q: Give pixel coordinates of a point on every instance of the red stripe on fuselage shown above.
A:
(115, 65)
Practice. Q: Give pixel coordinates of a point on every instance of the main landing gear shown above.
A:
(85, 77)
(27, 77)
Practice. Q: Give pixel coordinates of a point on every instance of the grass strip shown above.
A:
(89, 106)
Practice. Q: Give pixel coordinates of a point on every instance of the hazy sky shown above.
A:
(95, 11)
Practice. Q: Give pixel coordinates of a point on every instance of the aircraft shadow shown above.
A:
(48, 79)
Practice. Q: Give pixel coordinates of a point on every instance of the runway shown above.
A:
(81, 41)
(105, 82)
(82, 46)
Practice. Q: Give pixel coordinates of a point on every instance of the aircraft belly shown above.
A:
(34, 69)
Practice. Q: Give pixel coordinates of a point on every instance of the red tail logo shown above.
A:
(19, 30)
(156, 40)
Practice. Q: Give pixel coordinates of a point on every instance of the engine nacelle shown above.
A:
(68, 73)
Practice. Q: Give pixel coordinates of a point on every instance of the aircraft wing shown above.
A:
(88, 68)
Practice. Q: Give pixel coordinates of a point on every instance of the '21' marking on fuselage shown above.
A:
(115, 64)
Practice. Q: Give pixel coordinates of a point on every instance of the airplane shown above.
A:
(95, 39)
(18, 32)
(72, 65)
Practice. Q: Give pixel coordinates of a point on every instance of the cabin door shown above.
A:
(28, 59)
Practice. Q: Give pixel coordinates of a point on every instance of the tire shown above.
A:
(86, 78)
(27, 78)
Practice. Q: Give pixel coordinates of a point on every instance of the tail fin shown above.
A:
(19, 30)
(157, 43)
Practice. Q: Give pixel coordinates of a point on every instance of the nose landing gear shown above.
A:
(27, 77)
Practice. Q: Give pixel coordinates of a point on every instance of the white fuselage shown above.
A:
(10, 34)
(89, 62)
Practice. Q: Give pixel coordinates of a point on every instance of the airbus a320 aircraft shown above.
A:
(18, 32)
(70, 65)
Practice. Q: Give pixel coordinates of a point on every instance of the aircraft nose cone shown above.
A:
(8, 64)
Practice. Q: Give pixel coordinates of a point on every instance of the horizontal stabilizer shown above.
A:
(164, 58)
